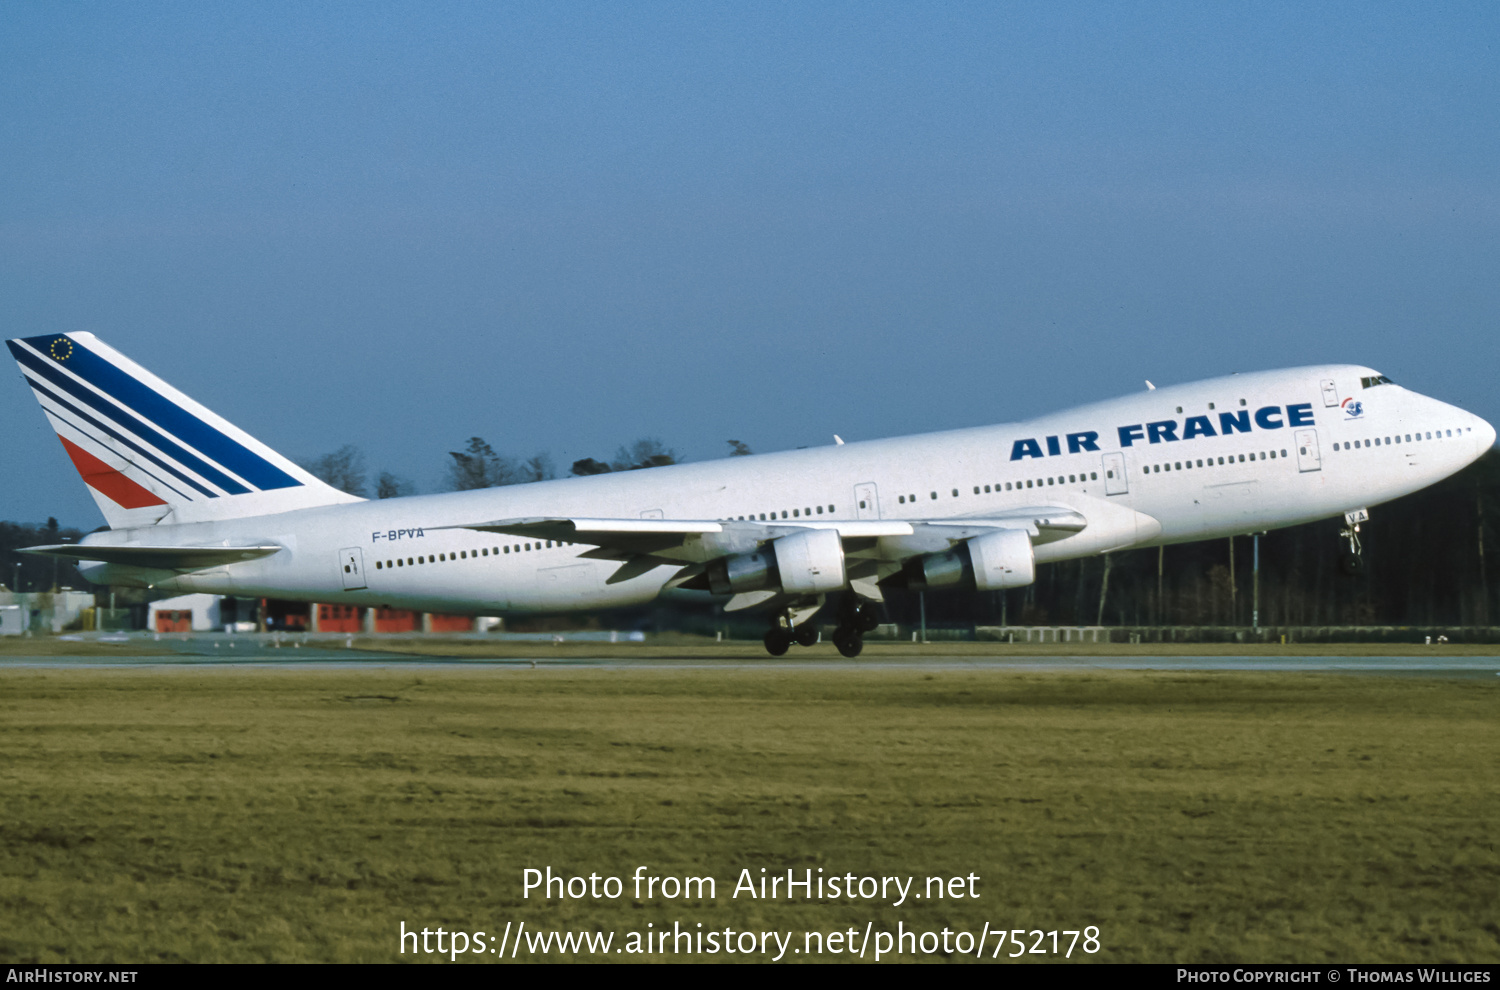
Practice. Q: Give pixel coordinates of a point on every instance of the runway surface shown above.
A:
(246, 652)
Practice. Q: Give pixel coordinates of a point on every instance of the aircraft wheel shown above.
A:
(868, 620)
(849, 642)
(1351, 563)
(806, 634)
(777, 642)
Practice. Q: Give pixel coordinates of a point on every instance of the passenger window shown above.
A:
(820, 510)
(796, 514)
(899, 498)
(955, 493)
(377, 565)
(783, 513)
(1071, 479)
(1007, 486)
(1094, 475)
(934, 494)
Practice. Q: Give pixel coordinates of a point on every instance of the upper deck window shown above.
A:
(1375, 380)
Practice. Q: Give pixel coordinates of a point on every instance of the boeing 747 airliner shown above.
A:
(196, 504)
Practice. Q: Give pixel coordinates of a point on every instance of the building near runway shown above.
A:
(44, 611)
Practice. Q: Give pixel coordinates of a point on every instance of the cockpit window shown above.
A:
(1376, 380)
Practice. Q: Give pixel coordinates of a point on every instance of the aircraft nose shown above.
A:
(1484, 436)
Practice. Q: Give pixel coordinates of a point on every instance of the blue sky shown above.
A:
(563, 227)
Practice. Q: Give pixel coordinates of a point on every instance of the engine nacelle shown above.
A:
(1002, 559)
(806, 563)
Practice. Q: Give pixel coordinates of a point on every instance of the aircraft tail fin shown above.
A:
(148, 453)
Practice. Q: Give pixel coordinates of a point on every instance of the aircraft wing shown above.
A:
(696, 541)
(161, 558)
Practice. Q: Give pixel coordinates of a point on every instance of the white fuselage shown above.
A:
(1221, 457)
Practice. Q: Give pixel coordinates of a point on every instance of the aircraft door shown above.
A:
(866, 505)
(352, 564)
(1115, 482)
(1308, 457)
(1330, 392)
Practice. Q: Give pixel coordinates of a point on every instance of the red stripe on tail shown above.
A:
(106, 480)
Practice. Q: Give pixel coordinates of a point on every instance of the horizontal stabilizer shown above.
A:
(161, 558)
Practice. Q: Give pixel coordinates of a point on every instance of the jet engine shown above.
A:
(1002, 559)
(806, 563)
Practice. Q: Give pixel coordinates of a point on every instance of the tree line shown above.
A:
(479, 465)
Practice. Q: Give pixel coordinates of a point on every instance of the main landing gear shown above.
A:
(779, 639)
(1351, 561)
(856, 617)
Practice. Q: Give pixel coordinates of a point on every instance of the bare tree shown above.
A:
(739, 449)
(391, 486)
(479, 467)
(644, 453)
(587, 466)
(344, 469)
(538, 468)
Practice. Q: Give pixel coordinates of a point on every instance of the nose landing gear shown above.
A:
(1351, 561)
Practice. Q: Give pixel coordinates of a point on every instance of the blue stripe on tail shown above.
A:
(114, 412)
(119, 438)
(158, 409)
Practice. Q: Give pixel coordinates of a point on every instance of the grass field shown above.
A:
(230, 814)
